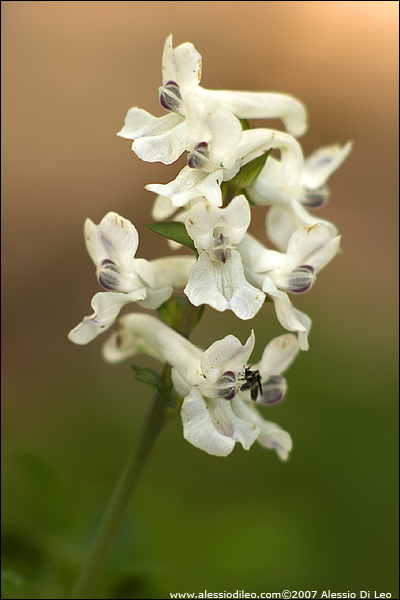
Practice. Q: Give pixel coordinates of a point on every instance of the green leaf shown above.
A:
(171, 311)
(245, 124)
(173, 230)
(249, 172)
(149, 376)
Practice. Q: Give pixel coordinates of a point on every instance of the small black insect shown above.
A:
(252, 382)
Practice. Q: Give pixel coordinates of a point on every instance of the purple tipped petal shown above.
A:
(315, 198)
(301, 279)
(199, 157)
(226, 385)
(170, 97)
(274, 390)
(108, 276)
(202, 148)
(194, 161)
(221, 250)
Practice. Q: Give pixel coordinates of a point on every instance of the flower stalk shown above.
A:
(162, 410)
(113, 517)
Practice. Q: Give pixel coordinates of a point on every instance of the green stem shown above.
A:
(159, 414)
(116, 510)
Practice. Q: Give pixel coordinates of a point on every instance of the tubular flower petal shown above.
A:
(320, 165)
(183, 65)
(309, 250)
(189, 185)
(290, 202)
(223, 286)
(206, 171)
(212, 425)
(263, 105)
(270, 435)
(203, 219)
(155, 139)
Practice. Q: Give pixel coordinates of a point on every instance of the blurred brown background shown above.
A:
(70, 71)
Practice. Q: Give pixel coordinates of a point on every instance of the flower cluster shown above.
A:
(207, 207)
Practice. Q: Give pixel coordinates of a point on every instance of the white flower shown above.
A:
(213, 382)
(112, 246)
(206, 124)
(276, 358)
(309, 250)
(189, 185)
(290, 202)
(181, 70)
(217, 278)
(203, 176)
(165, 138)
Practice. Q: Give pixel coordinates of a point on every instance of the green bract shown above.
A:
(174, 231)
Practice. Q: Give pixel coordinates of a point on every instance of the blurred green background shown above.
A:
(326, 519)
